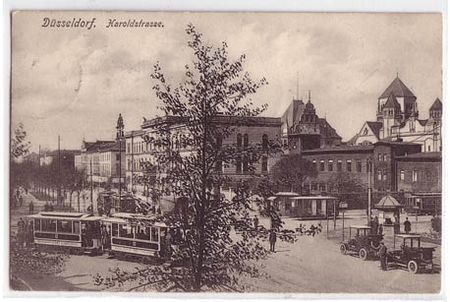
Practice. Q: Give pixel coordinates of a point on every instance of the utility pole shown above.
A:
(119, 138)
(92, 189)
(369, 190)
(58, 197)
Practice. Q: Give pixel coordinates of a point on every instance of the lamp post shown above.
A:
(119, 138)
(369, 189)
(343, 206)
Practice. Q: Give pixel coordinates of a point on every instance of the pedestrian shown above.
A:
(31, 207)
(20, 200)
(380, 229)
(383, 256)
(21, 232)
(272, 240)
(376, 224)
(255, 222)
(407, 225)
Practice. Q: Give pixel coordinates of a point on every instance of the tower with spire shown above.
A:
(397, 118)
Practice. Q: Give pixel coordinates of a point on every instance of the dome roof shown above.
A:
(309, 105)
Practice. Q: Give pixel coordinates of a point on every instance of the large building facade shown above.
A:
(101, 161)
(397, 118)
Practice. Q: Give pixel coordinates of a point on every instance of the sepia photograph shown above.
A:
(238, 152)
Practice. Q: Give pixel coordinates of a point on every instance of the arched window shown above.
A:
(245, 140)
(239, 140)
(265, 142)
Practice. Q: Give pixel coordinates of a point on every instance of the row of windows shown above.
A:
(242, 141)
(242, 166)
(382, 157)
(329, 165)
(135, 232)
(59, 226)
(415, 175)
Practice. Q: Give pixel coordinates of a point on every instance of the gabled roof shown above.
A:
(392, 102)
(375, 127)
(398, 88)
(437, 105)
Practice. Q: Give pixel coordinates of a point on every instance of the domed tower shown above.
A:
(404, 96)
(391, 113)
(309, 113)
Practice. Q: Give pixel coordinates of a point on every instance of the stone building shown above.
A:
(303, 129)
(397, 118)
(246, 131)
(371, 166)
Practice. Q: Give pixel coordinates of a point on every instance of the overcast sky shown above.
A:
(75, 82)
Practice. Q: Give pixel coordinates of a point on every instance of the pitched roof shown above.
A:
(327, 130)
(398, 88)
(388, 202)
(375, 127)
(437, 105)
(391, 102)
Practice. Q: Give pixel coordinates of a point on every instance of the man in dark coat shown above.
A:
(407, 225)
(383, 256)
(272, 239)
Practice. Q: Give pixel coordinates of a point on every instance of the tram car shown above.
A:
(77, 233)
(305, 207)
(137, 236)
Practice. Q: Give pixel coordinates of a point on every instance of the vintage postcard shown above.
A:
(226, 152)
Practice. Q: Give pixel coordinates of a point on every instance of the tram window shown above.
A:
(48, 225)
(64, 226)
(37, 224)
(125, 231)
(155, 234)
(76, 227)
(142, 233)
(114, 230)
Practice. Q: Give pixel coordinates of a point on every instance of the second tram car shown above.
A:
(136, 234)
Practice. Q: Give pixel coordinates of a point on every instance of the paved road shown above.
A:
(311, 265)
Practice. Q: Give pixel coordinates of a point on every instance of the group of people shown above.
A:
(17, 199)
(24, 233)
(376, 227)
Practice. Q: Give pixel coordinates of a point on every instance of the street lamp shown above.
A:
(369, 189)
(119, 137)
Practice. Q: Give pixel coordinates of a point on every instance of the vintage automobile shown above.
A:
(363, 244)
(411, 255)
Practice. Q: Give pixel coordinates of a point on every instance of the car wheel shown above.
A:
(363, 254)
(413, 267)
(343, 249)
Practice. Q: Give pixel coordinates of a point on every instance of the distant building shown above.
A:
(104, 158)
(397, 119)
(303, 129)
(66, 157)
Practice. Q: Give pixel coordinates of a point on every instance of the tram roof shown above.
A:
(406, 236)
(126, 217)
(61, 215)
(359, 227)
(312, 197)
